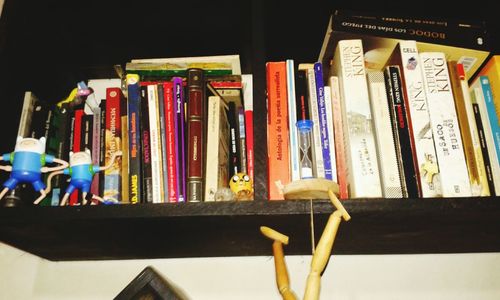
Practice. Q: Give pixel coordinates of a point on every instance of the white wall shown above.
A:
(451, 276)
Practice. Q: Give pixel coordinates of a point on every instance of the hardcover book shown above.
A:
(465, 42)
(134, 139)
(195, 134)
(447, 139)
(113, 143)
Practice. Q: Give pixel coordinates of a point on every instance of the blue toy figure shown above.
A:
(82, 171)
(28, 163)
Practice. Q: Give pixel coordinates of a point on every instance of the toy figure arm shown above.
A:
(6, 157)
(6, 168)
(62, 164)
(112, 161)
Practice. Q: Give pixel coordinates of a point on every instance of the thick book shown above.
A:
(217, 159)
(468, 130)
(339, 137)
(464, 41)
(134, 139)
(401, 131)
(445, 128)
(278, 163)
(406, 56)
(195, 134)
(361, 154)
(113, 143)
(491, 128)
(390, 176)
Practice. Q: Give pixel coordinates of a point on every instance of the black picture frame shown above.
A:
(150, 285)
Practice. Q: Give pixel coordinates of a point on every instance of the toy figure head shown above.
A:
(80, 158)
(242, 186)
(30, 145)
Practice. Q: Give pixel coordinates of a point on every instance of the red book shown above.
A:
(171, 172)
(195, 134)
(77, 135)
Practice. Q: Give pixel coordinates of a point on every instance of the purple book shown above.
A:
(179, 138)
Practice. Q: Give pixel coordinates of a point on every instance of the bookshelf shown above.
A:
(47, 46)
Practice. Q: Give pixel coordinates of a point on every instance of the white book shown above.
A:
(390, 176)
(292, 120)
(419, 119)
(361, 155)
(26, 114)
(329, 124)
(317, 151)
(444, 122)
(217, 158)
(231, 62)
(155, 143)
(477, 89)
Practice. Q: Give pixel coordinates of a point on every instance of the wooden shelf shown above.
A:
(48, 46)
(378, 226)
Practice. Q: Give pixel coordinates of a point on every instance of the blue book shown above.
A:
(492, 115)
(325, 146)
(134, 138)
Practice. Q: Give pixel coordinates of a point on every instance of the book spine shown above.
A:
(211, 161)
(401, 131)
(317, 151)
(384, 137)
(147, 172)
(481, 94)
(242, 140)
(124, 148)
(460, 95)
(112, 176)
(162, 136)
(323, 126)
(329, 125)
(234, 159)
(134, 139)
(155, 143)
(248, 105)
(362, 166)
(447, 140)
(195, 134)
(96, 148)
(482, 142)
(277, 130)
(419, 122)
(339, 138)
(171, 160)
(179, 139)
(292, 120)
(76, 147)
(102, 145)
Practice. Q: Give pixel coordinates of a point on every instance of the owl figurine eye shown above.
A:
(242, 186)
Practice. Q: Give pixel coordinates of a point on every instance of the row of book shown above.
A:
(407, 127)
(164, 117)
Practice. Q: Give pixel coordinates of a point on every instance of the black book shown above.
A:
(401, 132)
(234, 157)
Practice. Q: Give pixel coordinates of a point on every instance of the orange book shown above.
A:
(278, 163)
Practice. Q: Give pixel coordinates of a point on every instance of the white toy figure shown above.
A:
(82, 171)
(28, 163)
